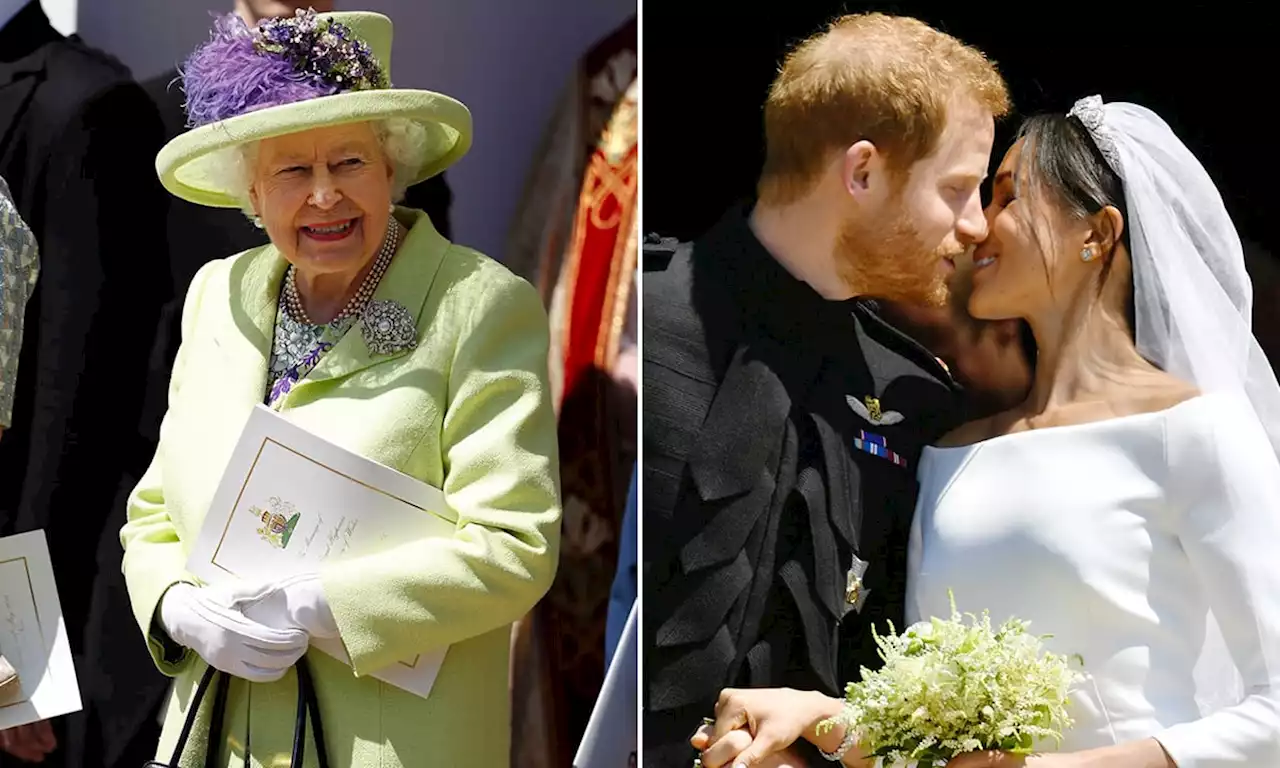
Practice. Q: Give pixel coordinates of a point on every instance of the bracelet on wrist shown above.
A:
(850, 737)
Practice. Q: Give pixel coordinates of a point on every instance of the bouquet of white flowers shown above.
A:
(948, 688)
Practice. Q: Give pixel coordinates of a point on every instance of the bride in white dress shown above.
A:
(1131, 506)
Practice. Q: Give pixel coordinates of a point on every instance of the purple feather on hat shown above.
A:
(282, 61)
(228, 76)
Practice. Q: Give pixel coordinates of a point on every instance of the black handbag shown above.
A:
(307, 704)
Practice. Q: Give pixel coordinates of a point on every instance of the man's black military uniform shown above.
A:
(781, 435)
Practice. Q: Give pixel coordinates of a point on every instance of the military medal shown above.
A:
(877, 445)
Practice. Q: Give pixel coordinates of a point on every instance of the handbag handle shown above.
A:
(307, 705)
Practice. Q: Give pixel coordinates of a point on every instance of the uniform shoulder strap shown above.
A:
(658, 251)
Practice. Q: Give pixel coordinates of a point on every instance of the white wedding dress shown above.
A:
(1118, 538)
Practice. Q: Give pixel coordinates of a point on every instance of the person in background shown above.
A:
(992, 361)
(75, 130)
(19, 268)
(575, 237)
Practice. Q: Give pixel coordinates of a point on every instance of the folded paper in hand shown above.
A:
(289, 502)
(37, 675)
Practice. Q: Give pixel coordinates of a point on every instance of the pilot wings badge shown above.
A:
(869, 409)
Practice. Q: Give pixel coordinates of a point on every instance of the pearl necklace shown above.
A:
(293, 302)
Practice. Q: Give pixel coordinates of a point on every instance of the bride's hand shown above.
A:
(752, 724)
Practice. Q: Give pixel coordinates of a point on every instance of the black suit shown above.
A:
(78, 140)
(755, 497)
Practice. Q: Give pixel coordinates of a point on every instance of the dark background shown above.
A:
(1207, 68)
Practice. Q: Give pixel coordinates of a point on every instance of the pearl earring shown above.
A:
(257, 221)
(391, 208)
(1086, 254)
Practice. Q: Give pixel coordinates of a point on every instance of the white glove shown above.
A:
(297, 602)
(200, 618)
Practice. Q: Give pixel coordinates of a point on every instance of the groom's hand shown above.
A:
(734, 745)
(752, 724)
(986, 356)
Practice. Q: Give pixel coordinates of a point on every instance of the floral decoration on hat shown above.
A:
(280, 61)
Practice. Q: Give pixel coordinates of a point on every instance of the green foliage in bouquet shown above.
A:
(948, 688)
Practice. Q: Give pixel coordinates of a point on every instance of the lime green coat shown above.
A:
(467, 411)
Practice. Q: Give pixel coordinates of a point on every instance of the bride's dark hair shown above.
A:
(1060, 157)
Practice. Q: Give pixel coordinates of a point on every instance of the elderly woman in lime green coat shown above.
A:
(458, 398)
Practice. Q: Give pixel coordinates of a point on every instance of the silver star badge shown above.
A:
(388, 327)
(855, 593)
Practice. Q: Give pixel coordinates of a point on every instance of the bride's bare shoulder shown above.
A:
(1149, 392)
(1159, 391)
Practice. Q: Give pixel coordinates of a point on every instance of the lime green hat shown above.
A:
(290, 75)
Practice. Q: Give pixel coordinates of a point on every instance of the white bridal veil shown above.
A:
(1192, 295)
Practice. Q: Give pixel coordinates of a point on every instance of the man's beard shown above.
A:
(890, 262)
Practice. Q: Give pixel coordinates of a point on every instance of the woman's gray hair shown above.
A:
(404, 142)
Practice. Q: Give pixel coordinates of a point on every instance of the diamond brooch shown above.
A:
(388, 327)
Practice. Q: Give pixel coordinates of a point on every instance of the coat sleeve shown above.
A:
(154, 558)
(1226, 481)
(502, 480)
